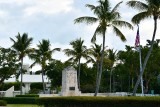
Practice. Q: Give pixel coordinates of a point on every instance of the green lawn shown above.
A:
(21, 105)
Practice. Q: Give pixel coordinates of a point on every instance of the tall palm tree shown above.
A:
(147, 10)
(42, 55)
(105, 18)
(79, 51)
(22, 46)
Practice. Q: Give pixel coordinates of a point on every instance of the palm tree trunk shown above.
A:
(147, 57)
(43, 82)
(79, 70)
(21, 76)
(97, 73)
(101, 67)
(110, 81)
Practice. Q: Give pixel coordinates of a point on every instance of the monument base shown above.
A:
(71, 93)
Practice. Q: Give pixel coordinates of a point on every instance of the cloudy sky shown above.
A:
(54, 20)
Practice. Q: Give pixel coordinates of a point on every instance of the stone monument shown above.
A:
(69, 82)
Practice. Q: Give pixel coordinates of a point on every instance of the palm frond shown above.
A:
(98, 31)
(33, 64)
(137, 5)
(141, 16)
(12, 40)
(92, 7)
(120, 23)
(56, 49)
(69, 52)
(86, 19)
(116, 7)
(119, 33)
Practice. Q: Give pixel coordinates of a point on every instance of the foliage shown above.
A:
(36, 85)
(42, 55)
(28, 95)
(78, 51)
(22, 47)
(105, 17)
(8, 64)
(54, 72)
(22, 105)
(100, 101)
(147, 9)
(3, 103)
(34, 91)
(19, 100)
(6, 86)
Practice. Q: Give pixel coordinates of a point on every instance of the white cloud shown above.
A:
(49, 7)
(31, 7)
(19, 2)
(3, 13)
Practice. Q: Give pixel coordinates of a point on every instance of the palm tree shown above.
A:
(112, 58)
(22, 47)
(95, 51)
(105, 18)
(147, 10)
(79, 51)
(42, 55)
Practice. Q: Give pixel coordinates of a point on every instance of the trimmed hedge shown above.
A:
(19, 100)
(28, 95)
(100, 102)
(3, 103)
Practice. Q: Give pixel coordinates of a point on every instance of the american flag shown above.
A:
(137, 41)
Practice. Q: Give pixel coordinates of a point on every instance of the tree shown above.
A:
(79, 51)
(149, 9)
(95, 51)
(54, 72)
(130, 60)
(22, 46)
(42, 55)
(112, 58)
(105, 18)
(8, 64)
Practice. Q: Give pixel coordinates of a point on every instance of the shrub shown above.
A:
(100, 102)
(88, 88)
(19, 100)
(34, 91)
(28, 95)
(36, 86)
(3, 103)
(6, 86)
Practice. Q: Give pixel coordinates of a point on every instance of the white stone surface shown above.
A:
(69, 82)
(9, 92)
(28, 78)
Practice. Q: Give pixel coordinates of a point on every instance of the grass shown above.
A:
(22, 105)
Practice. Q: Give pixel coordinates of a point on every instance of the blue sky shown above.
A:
(54, 20)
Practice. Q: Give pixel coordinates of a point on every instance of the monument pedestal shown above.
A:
(69, 82)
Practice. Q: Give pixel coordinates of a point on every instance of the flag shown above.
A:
(137, 41)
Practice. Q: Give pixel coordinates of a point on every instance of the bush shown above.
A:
(37, 86)
(19, 100)
(88, 88)
(6, 86)
(34, 91)
(3, 103)
(100, 102)
(28, 95)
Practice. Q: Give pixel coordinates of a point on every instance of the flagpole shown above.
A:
(140, 59)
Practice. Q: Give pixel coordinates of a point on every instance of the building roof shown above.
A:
(28, 79)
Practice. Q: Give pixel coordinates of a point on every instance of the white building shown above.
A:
(27, 79)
